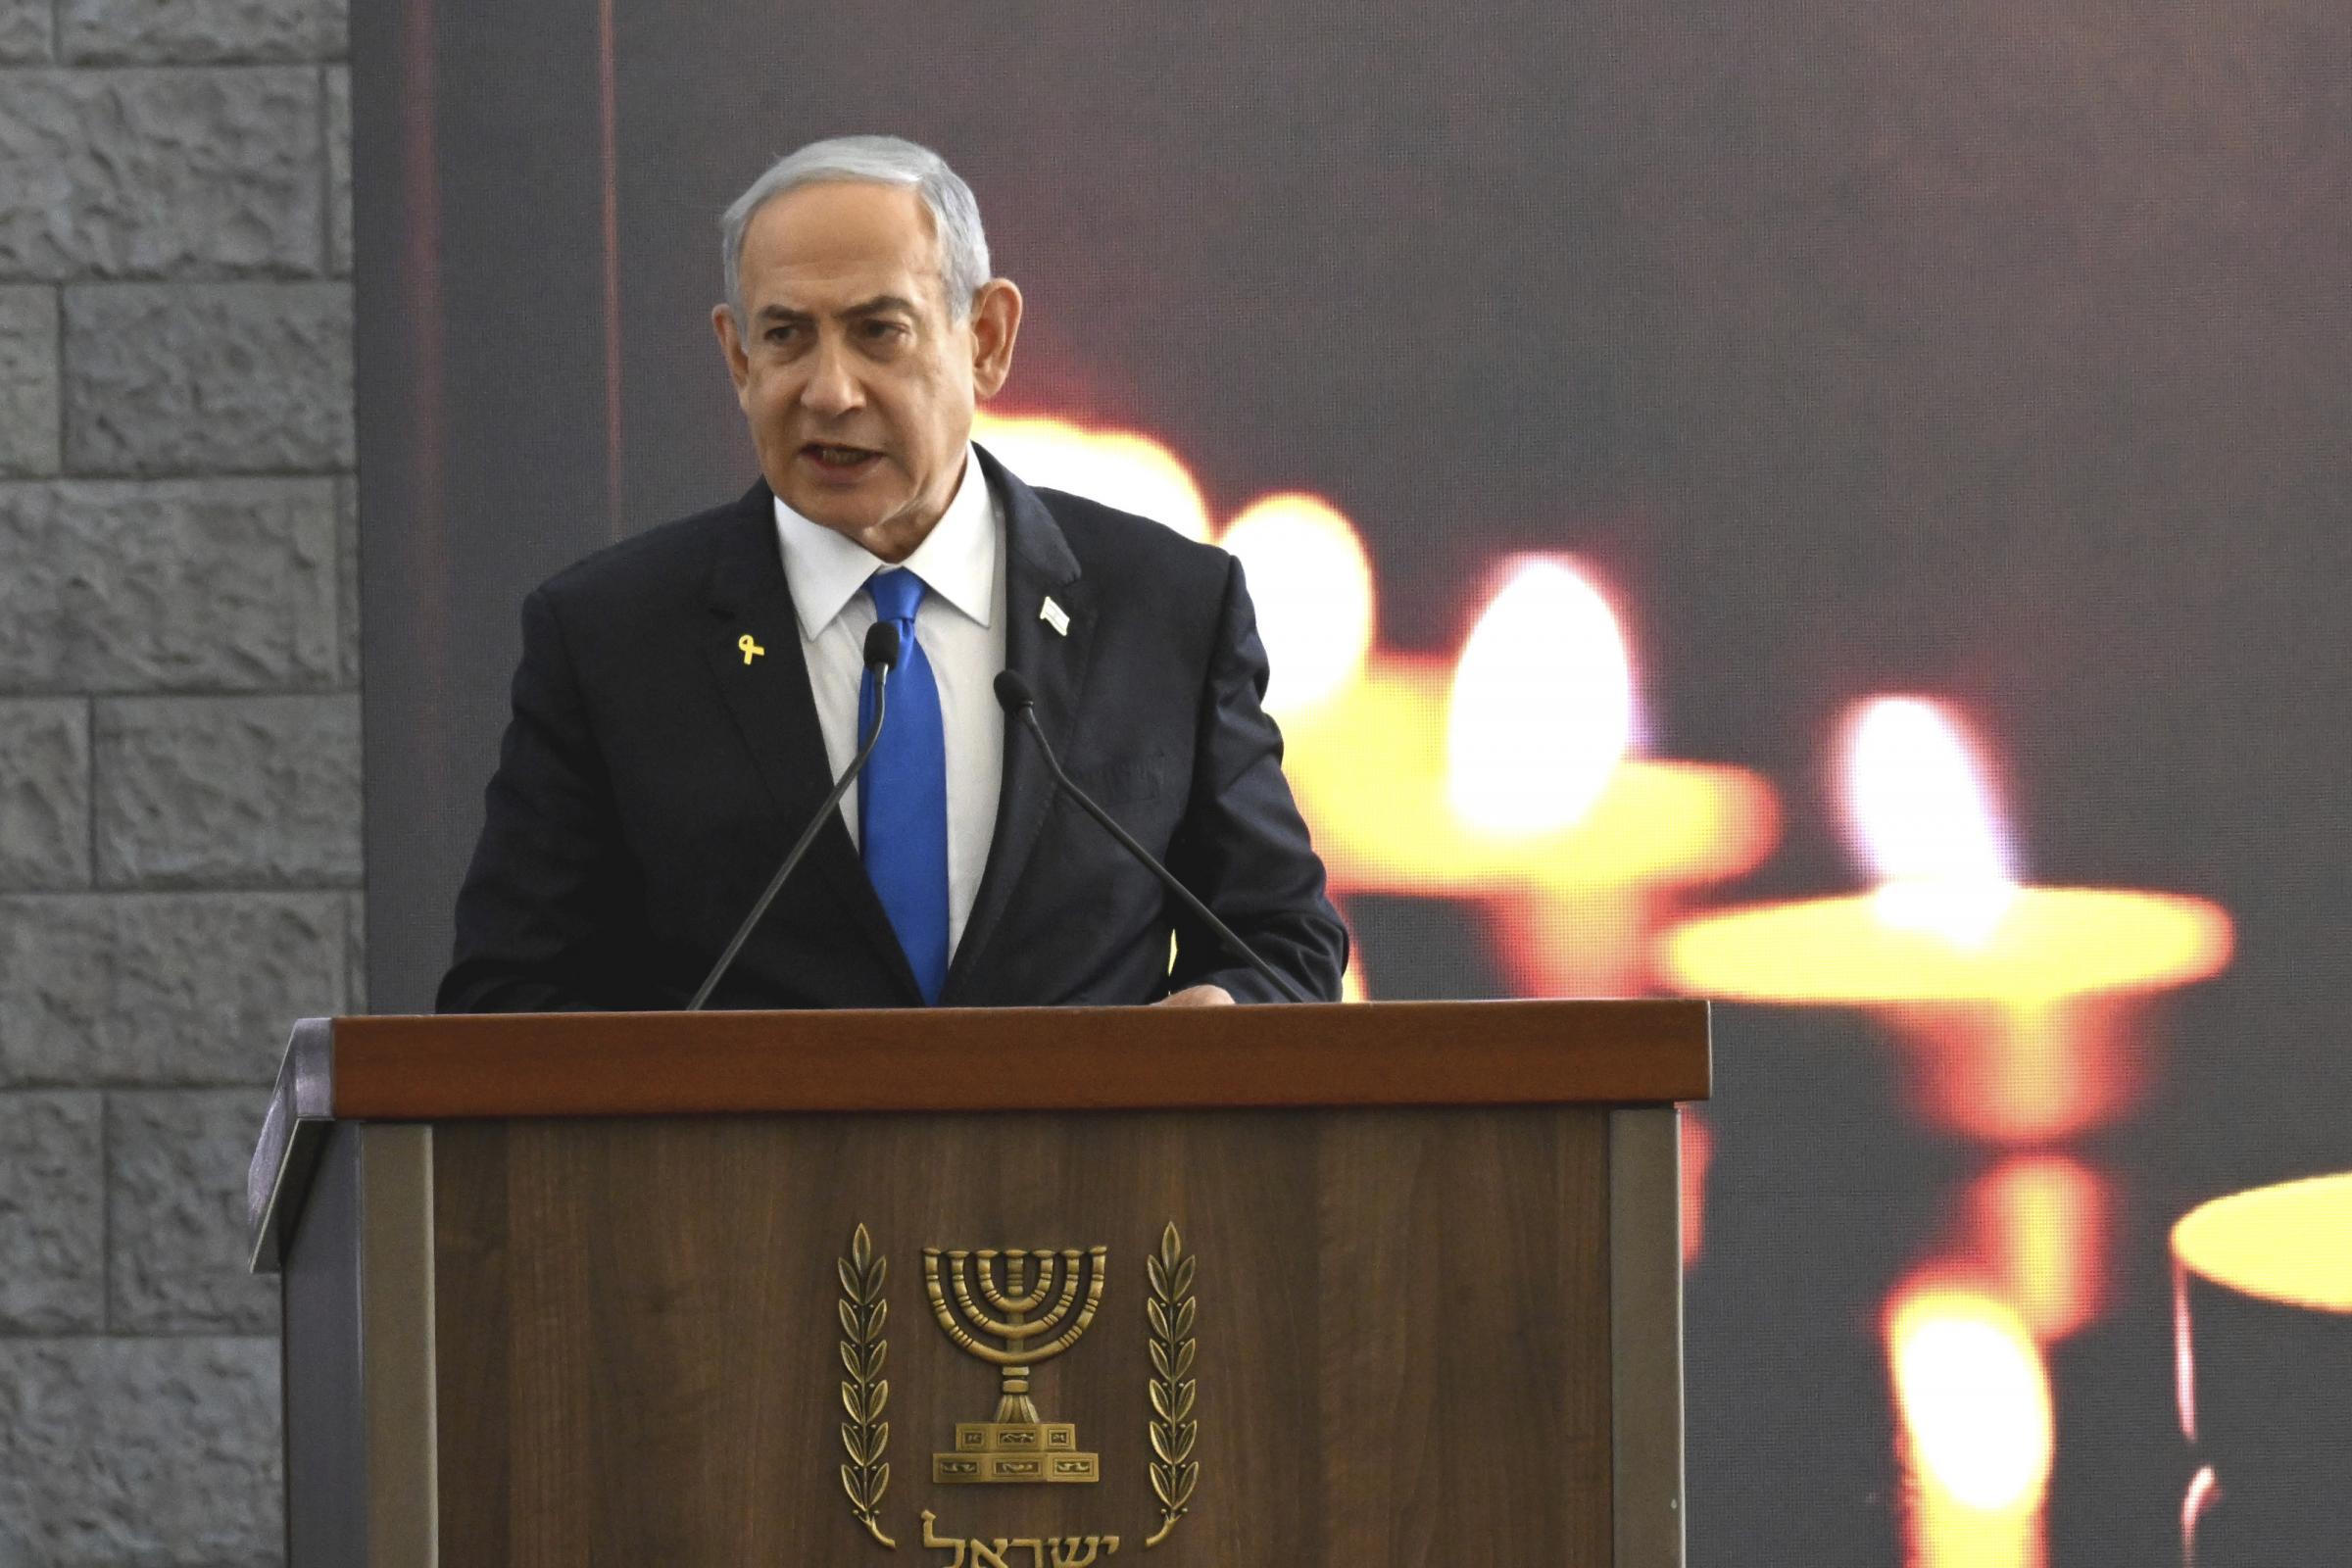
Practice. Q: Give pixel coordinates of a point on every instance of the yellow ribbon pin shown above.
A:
(751, 649)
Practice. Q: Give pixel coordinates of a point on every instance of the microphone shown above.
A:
(881, 657)
(1014, 697)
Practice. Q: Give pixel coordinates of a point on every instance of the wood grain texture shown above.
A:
(1072, 1058)
(1402, 1325)
(1645, 1312)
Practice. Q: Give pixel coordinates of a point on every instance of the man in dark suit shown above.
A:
(686, 697)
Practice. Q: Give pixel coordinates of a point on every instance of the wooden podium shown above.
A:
(1244, 1287)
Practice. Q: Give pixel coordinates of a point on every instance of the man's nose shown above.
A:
(833, 387)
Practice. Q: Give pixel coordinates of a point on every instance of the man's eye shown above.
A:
(881, 332)
(780, 335)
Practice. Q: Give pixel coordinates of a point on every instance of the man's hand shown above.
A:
(1197, 997)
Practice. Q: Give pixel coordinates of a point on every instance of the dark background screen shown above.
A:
(1996, 353)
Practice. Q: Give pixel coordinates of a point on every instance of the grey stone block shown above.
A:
(347, 574)
(158, 1453)
(338, 171)
(29, 397)
(142, 33)
(175, 1213)
(196, 791)
(162, 990)
(52, 1230)
(23, 37)
(208, 378)
(211, 584)
(44, 793)
(142, 173)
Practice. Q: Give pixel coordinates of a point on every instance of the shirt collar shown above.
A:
(956, 559)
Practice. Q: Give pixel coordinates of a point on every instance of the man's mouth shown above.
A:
(837, 459)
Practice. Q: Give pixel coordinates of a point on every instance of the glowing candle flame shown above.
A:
(1543, 707)
(1923, 811)
(1117, 467)
(1312, 582)
(1974, 1397)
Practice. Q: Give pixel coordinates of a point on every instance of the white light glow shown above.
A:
(1312, 582)
(1117, 467)
(1975, 1400)
(1543, 706)
(1923, 815)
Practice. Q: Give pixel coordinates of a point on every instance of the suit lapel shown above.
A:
(1038, 565)
(776, 713)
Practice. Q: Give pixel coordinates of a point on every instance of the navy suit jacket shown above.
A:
(652, 779)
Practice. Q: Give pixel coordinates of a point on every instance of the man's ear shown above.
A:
(996, 323)
(730, 344)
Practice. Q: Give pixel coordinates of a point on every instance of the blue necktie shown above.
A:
(902, 794)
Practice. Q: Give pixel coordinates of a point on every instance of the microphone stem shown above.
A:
(1225, 934)
(817, 823)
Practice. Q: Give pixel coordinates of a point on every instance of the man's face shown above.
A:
(856, 378)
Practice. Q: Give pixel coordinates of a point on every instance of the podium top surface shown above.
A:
(1385, 1053)
(1072, 1059)
(1019, 1059)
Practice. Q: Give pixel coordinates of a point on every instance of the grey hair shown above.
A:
(871, 161)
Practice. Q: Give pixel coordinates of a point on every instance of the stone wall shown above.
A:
(179, 776)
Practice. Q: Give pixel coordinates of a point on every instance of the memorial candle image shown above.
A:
(2019, 1001)
(1507, 778)
(2262, 1309)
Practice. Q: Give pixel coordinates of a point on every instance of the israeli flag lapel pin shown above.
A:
(1054, 616)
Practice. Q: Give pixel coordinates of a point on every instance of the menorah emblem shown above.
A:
(1016, 1446)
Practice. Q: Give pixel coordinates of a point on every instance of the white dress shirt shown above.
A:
(960, 625)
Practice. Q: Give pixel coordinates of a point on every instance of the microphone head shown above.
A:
(1012, 692)
(882, 644)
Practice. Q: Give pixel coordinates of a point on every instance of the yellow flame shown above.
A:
(1543, 706)
(1923, 811)
(2291, 1242)
(1117, 467)
(1975, 1401)
(1312, 582)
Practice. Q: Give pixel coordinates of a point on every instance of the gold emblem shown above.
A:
(1016, 1446)
(1169, 1306)
(864, 1435)
(1038, 1304)
(751, 649)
